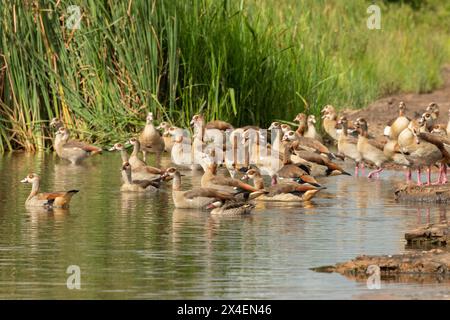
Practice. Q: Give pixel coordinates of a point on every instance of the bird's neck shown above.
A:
(176, 183)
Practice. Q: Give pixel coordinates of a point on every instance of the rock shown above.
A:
(425, 266)
(431, 234)
(430, 194)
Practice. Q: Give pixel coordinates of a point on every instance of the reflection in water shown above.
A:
(138, 246)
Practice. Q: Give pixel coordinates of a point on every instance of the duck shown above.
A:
(369, 149)
(130, 185)
(231, 208)
(197, 198)
(302, 123)
(283, 192)
(47, 200)
(311, 131)
(150, 140)
(73, 151)
(397, 125)
(347, 146)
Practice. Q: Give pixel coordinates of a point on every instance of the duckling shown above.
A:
(348, 145)
(284, 192)
(231, 208)
(130, 185)
(397, 125)
(369, 149)
(302, 123)
(150, 139)
(47, 200)
(74, 151)
(329, 121)
(311, 132)
(196, 198)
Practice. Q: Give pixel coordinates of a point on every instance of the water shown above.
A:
(139, 247)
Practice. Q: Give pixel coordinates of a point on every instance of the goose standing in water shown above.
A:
(150, 140)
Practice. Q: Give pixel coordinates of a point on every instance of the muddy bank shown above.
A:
(418, 266)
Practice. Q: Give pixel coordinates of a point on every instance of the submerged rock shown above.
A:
(431, 234)
(433, 262)
(414, 193)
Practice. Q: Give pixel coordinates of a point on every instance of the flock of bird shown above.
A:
(292, 160)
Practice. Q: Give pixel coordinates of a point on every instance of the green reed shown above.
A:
(241, 61)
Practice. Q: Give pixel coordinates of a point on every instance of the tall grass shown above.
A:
(242, 61)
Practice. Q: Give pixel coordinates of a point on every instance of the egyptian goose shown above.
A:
(427, 122)
(231, 208)
(196, 198)
(307, 144)
(284, 192)
(311, 131)
(347, 145)
(212, 131)
(150, 140)
(184, 155)
(369, 149)
(46, 200)
(329, 121)
(130, 185)
(211, 180)
(433, 108)
(302, 124)
(397, 125)
(332, 169)
(74, 151)
(198, 119)
(141, 171)
(443, 144)
(123, 152)
(293, 172)
(166, 136)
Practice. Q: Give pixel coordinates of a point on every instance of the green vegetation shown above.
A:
(242, 61)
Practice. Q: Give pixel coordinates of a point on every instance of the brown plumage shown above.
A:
(46, 200)
(211, 180)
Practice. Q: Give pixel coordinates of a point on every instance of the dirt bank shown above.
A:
(381, 111)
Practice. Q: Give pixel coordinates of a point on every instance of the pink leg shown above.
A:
(408, 175)
(363, 171)
(444, 174)
(419, 183)
(429, 176)
(376, 172)
(356, 169)
(441, 173)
